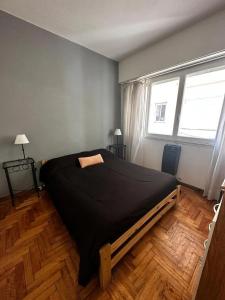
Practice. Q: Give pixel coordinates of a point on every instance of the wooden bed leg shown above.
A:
(105, 266)
(178, 193)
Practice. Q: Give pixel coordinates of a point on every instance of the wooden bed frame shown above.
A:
(110, 254)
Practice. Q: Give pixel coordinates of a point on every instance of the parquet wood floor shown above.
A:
(39, 260)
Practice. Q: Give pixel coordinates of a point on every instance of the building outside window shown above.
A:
(160, 112)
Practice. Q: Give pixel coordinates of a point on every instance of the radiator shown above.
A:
(171, 157)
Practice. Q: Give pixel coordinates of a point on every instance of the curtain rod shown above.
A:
(186, 64)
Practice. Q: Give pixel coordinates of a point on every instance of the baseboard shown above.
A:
(191, 186)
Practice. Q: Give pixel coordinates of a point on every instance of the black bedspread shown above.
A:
(100, 202)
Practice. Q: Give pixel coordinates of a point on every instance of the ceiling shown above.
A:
(113, 28)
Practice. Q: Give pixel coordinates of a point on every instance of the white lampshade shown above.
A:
(117, 132)
(21, 139)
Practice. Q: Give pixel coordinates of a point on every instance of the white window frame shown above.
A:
(181, 74)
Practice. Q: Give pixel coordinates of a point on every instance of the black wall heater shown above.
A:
(171, 157)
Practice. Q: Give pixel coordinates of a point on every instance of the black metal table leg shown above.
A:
(10, 186)
(35, 178)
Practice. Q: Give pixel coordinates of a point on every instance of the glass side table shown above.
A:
(17, 166)
(119, 150)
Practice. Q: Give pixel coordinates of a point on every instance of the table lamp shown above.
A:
(21, 139)
(117, 133)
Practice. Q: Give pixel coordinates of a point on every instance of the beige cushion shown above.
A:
(90, 160)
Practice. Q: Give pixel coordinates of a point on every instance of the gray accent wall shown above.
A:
(64, 97)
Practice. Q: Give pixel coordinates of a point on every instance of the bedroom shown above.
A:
(80, 77)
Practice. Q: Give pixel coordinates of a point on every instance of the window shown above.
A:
(160, 112)
(202, 104)
(163, 106)
(188, 106)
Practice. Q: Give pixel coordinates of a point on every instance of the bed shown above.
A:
(107, 207)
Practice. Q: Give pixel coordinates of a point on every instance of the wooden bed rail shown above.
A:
(110, 254)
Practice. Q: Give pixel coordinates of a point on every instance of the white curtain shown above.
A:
(134, 106)
(217, 168)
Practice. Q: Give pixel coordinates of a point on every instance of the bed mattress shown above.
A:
(98, 203)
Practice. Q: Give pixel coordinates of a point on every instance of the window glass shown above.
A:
(202, 103)
(163, 100)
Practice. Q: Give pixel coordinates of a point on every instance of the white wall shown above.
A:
(193, 165)
(205, 37)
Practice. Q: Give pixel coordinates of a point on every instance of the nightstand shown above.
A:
(119, 150)
(17, 166)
